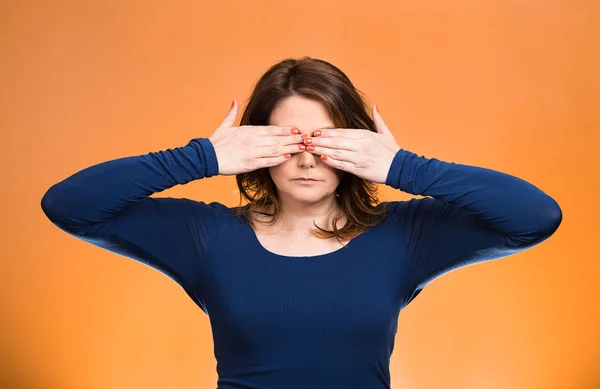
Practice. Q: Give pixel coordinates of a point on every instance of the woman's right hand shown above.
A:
(247, 148)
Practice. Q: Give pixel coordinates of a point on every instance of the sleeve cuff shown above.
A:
(210, 157)
(395, 172)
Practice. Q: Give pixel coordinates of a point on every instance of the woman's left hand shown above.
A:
(361, 152)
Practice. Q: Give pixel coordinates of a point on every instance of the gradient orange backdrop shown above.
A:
(508, 85)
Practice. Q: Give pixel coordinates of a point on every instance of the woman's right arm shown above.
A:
(108, 205)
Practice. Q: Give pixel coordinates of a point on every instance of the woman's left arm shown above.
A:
(473, 214)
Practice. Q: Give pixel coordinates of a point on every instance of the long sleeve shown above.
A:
(108, 205)
(472, 214)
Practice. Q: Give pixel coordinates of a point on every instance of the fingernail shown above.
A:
(318, 133)
(301, 147)
(324, 157)
(232, 103)
(377, 109)
(304, 136)
(307, 141)
(294, 131)
(310, 148)
(287, 156)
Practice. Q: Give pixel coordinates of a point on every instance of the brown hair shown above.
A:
(321, 81)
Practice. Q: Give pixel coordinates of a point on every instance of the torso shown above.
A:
(280, 242)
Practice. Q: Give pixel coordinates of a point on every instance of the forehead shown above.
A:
(301, 113)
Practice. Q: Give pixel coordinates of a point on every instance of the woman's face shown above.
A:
(307, 116)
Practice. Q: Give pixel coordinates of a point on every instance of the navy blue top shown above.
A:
(324, 321)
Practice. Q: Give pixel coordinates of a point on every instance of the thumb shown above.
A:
(231, 116)
(382, 128)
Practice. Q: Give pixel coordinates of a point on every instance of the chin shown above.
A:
(310, 200)
(308, 196)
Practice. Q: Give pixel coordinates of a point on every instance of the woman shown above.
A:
(303, 285)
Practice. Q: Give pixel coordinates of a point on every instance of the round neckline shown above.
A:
(299, 257)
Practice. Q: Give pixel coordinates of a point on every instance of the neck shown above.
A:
(297, 218)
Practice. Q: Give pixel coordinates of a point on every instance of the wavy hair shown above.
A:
(320, 81)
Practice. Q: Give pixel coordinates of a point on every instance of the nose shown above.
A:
(306, 160)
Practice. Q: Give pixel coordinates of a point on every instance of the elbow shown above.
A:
(547, 219)
(550, 224)
(540, 231)
(52, 206)
(554, 219)
(47, 205)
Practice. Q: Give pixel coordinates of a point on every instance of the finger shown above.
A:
(338, 164)
(382, 128)
(334, 143)
(270, 140)
(273, 130)
(270, 161)
(231, 116)
(350, 133)
(340, 155)
(276, 150)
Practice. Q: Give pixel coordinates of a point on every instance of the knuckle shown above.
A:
(337, 153)
(275, 150)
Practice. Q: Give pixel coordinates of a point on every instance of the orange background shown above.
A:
(508, 85)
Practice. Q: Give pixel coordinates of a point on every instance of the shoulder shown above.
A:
(405, 209)
(397, 206)
(214, 205)
(429, 213)
(403, 205)
(215, 210)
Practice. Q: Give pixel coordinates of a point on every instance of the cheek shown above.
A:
(335, 174)
(277, 172)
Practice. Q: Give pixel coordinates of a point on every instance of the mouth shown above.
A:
(305, 180)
